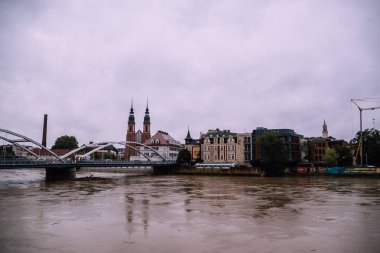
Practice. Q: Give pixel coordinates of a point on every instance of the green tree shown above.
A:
(344, 155)
(307, 149)
(184, 157)
(65, 142)
(331, 157)
(7, 151)
(371, 146)
(109, 155)
(274, 154)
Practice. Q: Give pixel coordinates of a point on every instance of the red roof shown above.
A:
(59, 152)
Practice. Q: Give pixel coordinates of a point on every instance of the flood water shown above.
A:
(188, 214)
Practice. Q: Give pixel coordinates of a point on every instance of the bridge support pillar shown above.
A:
(59, 174)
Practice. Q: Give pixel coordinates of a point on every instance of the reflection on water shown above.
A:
(188, 214)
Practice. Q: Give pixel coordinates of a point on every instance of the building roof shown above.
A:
(147, 117)
(59, 152)
(280, 132)
(219, 133)
(131, 119)
(324, 125)
(162, 138)
(188, 137)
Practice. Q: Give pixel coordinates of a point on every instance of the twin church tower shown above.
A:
(133, 136)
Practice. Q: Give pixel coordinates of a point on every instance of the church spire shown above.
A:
(325, 133)
(188, 137)
(146, 126)
(147, 117)
(131, 119)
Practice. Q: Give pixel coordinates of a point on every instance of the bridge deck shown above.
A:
(116, 164)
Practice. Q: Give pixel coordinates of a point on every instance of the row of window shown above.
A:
(320, 151)
(229, 157)
(318, 158)
(220, 140)
(154, 154)
(221, 148)
(154, 148)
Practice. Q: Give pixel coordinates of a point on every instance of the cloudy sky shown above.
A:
(237, 65)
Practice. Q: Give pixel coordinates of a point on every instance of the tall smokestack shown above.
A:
(44, 131)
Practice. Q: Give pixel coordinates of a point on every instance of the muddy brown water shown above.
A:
(124, 213)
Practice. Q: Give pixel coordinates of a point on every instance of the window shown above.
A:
(221, 157)
(215, 157)
(215, 148)
(221, 148)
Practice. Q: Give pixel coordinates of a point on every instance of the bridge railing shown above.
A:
(21, 160)
(106, 161)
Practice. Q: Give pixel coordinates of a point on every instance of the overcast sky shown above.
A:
(233, 65)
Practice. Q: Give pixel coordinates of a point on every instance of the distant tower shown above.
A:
(44, 131)
(188, 138)
(325, 133)
(131, 135)
(146, 127)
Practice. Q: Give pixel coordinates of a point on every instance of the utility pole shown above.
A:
(361, 109)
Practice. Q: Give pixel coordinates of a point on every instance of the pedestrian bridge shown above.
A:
(62, 167)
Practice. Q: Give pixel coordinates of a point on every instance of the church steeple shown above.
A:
(131, 135)
(188, 138)
(146, 125)
(131, 119)
(147, 117)
(325, 133)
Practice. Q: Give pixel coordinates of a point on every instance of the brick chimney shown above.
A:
(44, 131)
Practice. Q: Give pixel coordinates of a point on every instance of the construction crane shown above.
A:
(361, 109)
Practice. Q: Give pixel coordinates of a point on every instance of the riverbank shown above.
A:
(236, 171)
(133, 170)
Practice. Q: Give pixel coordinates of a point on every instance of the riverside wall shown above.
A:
(236, 171)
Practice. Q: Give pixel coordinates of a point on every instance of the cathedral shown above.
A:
(133, 136)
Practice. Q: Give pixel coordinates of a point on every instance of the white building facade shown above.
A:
(163, 144)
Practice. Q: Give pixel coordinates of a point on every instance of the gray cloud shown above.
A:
(205, 64)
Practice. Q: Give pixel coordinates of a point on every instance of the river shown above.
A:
(121, 213)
